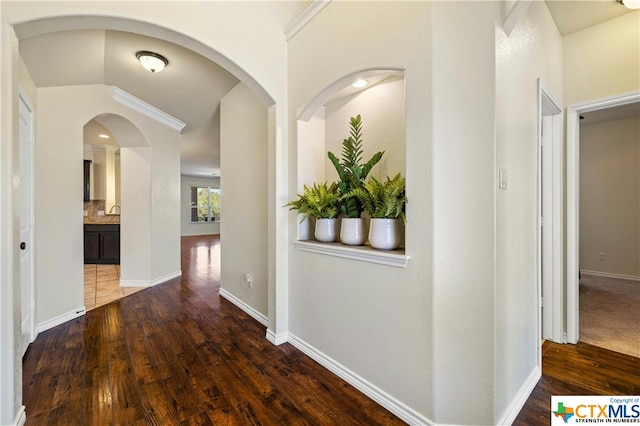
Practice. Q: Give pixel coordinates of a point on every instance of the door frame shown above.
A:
(573, 199)
(31, 332)
(550, 118)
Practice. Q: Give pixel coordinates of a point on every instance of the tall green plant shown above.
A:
(383, 199)
(351, 172)
(321, 201)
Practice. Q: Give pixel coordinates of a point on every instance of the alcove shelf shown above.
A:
(396, 258)
(322, 125)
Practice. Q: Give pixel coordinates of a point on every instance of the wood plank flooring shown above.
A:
(177, 354)
(580, 369)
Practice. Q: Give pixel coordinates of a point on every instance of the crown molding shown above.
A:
(305, 17)
(137, 104)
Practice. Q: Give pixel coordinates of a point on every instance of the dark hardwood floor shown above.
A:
(580, 369)
(177, 354)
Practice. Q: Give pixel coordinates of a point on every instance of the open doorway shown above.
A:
(573, 200)
(609, 245)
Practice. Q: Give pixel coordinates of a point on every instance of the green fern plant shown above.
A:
(322, 201)
(383, 199)
(351, 172)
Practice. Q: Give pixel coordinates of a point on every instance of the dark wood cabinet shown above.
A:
(102, 243)
(86, 189)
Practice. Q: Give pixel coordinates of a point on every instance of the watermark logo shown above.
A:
(572, 409)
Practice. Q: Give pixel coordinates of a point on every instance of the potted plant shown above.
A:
(352, 174)
(322, 202)
(385, 202)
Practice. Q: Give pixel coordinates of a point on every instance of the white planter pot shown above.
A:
(353, 231)
(384, 234)
(326, 230)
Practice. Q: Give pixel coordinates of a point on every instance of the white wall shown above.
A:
(186, 227)
(610, 196)
(382, 109)
(150, 247)
(602, 60)
(533, 50)
(243, 184)
(374, 320)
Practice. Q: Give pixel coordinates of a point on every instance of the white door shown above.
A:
(25, 133)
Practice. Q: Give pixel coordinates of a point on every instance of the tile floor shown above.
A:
(102, 285)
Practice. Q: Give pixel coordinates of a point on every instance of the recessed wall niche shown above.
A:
(324, 123)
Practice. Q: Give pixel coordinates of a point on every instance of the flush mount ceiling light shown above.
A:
(103, 136)
(630, 4)
(152, 61)
(360, 83)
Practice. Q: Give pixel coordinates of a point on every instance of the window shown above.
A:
(205, 204)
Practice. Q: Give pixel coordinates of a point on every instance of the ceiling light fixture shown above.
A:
(630, 4)
(152, 61)
(359, 83)
(103, 136)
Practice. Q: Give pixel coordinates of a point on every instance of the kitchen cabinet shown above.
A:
(102, 244)
(87, 180)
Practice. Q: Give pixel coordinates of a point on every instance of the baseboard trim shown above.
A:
(60, 319)
(146, 283)
(521, 398)
(246, 308)
(401, 410)
(277, 339)
(21, 417)
(610, 275)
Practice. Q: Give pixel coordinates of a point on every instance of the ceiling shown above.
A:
(575, 15)
(191, 86)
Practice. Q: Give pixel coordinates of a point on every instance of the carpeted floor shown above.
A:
(610, 313)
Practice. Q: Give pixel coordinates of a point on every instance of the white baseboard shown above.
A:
(21, 417)
(145, 283)
(398, 408)
(246, 308)
(611, 275)
(277, 339)
(521, 398)
(60, 319)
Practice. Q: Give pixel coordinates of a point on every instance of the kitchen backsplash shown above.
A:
(92, 207)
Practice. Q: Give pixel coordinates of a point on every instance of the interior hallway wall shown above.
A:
(375, 321)
(532, 50)
(243, 184)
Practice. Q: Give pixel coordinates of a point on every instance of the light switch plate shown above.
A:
(100, 212)
(502, 178)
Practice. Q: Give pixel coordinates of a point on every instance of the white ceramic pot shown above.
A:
(353, 231)
(326, 230)
(384, 234)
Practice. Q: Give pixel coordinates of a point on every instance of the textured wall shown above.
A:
(374, 320)
(533, 50)
(610, 196)
(243, 181)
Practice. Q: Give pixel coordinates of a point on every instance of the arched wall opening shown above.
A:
(323, 123)
(51, 24)
(254, 53)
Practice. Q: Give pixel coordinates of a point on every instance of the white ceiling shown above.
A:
(191, 86)
(575, 15)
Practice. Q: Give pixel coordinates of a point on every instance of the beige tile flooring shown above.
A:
(102, 285)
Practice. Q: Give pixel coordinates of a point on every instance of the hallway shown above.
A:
(177, 354)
